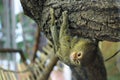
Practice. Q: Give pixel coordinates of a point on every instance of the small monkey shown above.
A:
(70, 49)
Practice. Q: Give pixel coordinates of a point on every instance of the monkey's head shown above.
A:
(83, 53)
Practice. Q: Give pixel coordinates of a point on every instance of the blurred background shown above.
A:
(17, 32)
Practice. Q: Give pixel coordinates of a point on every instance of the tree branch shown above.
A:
(112, 56)
(14, 51)
(48, 69)
(36, 46)
(91, 19)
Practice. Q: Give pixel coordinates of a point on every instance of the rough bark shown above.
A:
(87, 18)
(96, 19)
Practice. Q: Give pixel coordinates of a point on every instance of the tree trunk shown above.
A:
(95, 19)
(89, 18)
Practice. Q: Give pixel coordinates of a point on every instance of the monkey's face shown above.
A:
(76, 57)
(83, 54)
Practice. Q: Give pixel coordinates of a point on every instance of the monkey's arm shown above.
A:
(53, 29)
(64, 25)
(64, 37)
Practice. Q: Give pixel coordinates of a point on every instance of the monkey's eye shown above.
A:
(79, 54)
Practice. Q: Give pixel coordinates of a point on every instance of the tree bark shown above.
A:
(95, 19)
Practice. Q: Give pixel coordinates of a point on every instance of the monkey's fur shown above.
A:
(82, 55)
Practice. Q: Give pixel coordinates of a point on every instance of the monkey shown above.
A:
(77, 52)
(73, 49)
